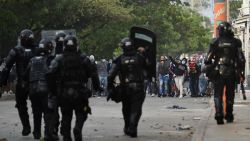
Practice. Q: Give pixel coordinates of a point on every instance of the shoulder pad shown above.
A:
(18, 47)
(238, 42)
(117, 59)
(214, 41)
(58, 57)
(83, 55)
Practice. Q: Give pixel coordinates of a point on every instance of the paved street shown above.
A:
(158, 122)
(239, 130)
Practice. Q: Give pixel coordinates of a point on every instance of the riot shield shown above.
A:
(145, 38)
(51, 34)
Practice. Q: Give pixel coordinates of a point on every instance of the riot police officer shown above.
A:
(59, 42)
(21, 55)
(38, 91)
(223, 67)
(60, 36)
(131, 67)
(72, 70)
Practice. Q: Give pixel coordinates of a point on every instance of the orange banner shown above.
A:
(220, 14)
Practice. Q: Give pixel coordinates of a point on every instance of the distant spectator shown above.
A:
(179, 70)
(194, 73)
(103, 74)
(109, 65)
(94, 69)
(163, 76)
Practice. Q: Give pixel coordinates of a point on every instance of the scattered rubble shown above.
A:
(196, 118)
(184, 127)
(176, 107)
(157, 126)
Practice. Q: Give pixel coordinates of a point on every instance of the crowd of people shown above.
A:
(179, 77)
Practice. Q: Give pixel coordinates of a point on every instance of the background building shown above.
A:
(241, 25)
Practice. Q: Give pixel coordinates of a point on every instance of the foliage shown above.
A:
(100, 24)
(234, 6)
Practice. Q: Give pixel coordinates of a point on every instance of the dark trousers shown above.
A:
(40, 107)
(194, 84)
(21, 103)
(132, 105)
(67, 107)
(219, 85)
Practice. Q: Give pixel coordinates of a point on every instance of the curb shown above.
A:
(201, 129)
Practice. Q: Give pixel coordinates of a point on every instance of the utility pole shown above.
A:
(228, 8)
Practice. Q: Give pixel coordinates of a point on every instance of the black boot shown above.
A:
(26, 127)
(37, 135)
(229, 118)
(24, 117)
(77, 135)
(244, 96)
(132, 131)
(126, 130)
(26, 130)
(220, 120)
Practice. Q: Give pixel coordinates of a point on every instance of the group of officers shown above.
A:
(59, 80)
(52, 80)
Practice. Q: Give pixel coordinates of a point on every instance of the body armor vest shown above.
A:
(73, 72)
(38, 68)
(225, 53)
(22, 59)
(131, 69)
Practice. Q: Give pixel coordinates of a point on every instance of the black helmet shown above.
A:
(27, 37)
(224, 29)
(70, 43)
(60, 36)
(45, 46)
(126, 44)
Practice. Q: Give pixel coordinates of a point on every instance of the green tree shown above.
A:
(234, 6)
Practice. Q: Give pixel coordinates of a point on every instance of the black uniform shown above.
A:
(58, 51)
(131, 69)
(72, 70)
(21, 55)
(225, 55)
(38, 87)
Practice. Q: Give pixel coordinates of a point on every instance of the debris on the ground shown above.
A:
(196, 118)
(3, 139)
(95, 130)
(176, 107)
(157, 126)
(184, 127)
(248, 128)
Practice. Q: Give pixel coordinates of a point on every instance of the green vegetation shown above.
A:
(234, 6)
(100, 24)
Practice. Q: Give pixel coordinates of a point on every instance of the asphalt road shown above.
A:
(159, 121)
